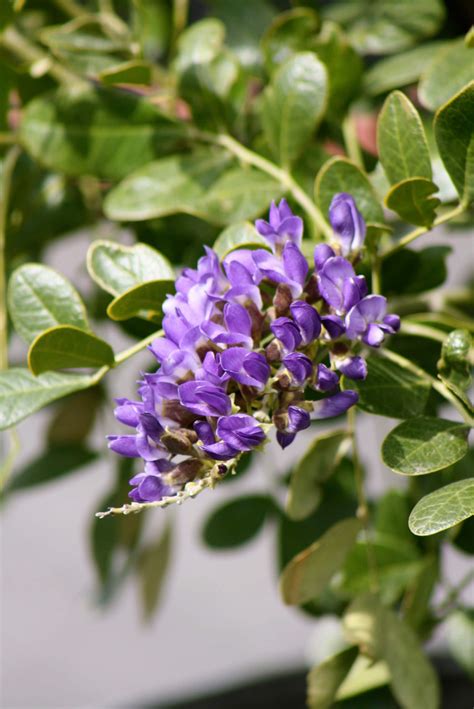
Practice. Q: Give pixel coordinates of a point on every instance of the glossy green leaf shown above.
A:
(324, 679)
(145, 299)
(236, 522)
(293, 105)
(401, 140)
(455, 140)
(200, 43)
(442, 509)
(390, 390)
(450, 70)
(385, 636)
(315, 466)
(422, 270)
(99, 132)
(412, 200)
(341, 175)
(153, 565)
(117, 268)
(21, 393)
(307, 575)
(53, 464)
(167, 186)
(423, 445)
(385, 27)
(401, 69)
(65, 347)
(40, 298)
(460, 634)
(291, 31)
(131, 72)
(238, 236)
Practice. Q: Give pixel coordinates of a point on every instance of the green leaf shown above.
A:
(391, 516)
(423, 445)
(290, 32)
(390, 390)
(117, 268)
(385, 636)
(455, 140)
(401, 140)
(236, 522)
(315, 466)
(293, 105)
(443, 508)
(81, 34)
(153, 565)
(238, 236)
(152, 27)
(167, 186)
(97, 131)
(401, 69)
(385, 27)
(21, 393)
(422, 270)
(411, 199)
(364, 676)
(40, 298)
(459, 634)
(324, 679)
(200, 43)
(144, 300)
(307, 575)
(450, 70)
(341, 175)
(53, 464)
(131, 72)
(65, 347)
(455, 366)
(416, 603)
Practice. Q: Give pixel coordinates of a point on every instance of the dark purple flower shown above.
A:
(149, 432)
(307, 319)
(368, 321)
(299, 366)
(334, 326)
(326, 379)
(281, 227)
(288, 332)
(204, 399)
(322, 253)
(149, 484)
(124, 445)
(353, 367)
(335, 405)
(347, 222)
(339, 285)
(298, 420)
(247, 368)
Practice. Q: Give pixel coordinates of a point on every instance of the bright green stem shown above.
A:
(435, 383)
(412, 235)
(5, 191)
(363, 507)
(283, 176)
(124, 355)
(12, 40)
(376, 276)
(350, 141)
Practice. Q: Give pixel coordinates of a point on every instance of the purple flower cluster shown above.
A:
(245, 343)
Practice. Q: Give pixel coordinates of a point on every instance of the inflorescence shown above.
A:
(255, 341)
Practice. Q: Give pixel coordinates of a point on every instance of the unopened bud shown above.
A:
(185, 471)
(312, 289)
(179, 442)
(282, 300)
(273, 352)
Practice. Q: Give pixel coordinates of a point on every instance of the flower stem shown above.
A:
(363, 508)
(351, 143)
(283, 176)
(412, 235)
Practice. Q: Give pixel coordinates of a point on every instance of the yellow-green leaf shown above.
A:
(66, 347)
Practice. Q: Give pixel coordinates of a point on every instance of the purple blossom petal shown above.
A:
(204, 399)
(322, 253)
(353, 367)
(248, 368)
(335, 405)
(299, 366)
(240, 431)
(326, 379)
(307, 319)
(295, 265)
(347, 222)
(124, 445)
(334, 326)
(287, 332)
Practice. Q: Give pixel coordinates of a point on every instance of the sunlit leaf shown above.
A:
(412, 200)
(144, 300)
(442, 509)
(66, 347)
(324, 679)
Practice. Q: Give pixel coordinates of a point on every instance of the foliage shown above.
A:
(181, 130)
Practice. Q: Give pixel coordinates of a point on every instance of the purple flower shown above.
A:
(322, 253)
(367, 320)
(281, 227)
(298, 420)
(353, 367)
(299, 366)
(149, 484)
(288, 332)
(326, 380)
(124, 445)
(291, 268)
(339, 285)
(204, 399)
(334, 326)
(236, 329)
(307, 319)
(347, 222)
(335, 405)
(247, 368)
(238, 433)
